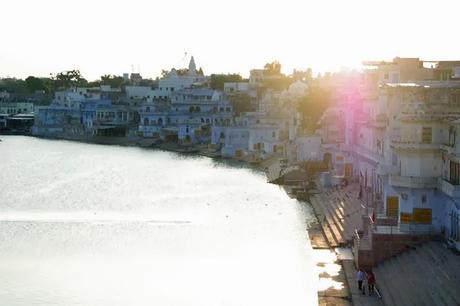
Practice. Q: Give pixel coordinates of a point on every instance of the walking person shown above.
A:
(360, 278)
(370, 281)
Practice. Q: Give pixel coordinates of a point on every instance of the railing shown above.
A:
(448, 188)
(412, 181)
(412, 229)
(413, 145)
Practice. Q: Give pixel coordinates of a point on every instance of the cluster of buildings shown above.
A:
(15, 114)
(182, 109)
(395, 130)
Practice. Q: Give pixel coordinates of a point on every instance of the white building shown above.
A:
(309, 148)
(188, 115)
(173, 82)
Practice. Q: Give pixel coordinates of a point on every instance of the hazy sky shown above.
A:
(99, 37)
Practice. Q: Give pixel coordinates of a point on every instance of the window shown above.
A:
(426, 134)
(273, 134)
(454, 173)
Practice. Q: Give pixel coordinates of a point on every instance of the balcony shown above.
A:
(403, 145)
(412, 181)
(447, 148)
(448, 188)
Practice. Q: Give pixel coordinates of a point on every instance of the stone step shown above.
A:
(414, 288)
(409, 265)
(324, 225)
(333, 225)
(434, 285)
(383, 285)
(443, 266)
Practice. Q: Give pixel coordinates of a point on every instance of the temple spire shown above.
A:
(192, 67)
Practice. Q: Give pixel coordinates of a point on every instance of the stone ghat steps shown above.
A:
(341, 211)
(428, 274)
(322, 218)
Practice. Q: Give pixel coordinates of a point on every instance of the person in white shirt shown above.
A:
(360, 276)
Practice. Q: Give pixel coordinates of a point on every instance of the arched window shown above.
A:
(160, 121)
(147, 109)
(197, 109)
(207, 120)
(191, 109)
(146, 121)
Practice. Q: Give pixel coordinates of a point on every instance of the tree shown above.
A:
(312, 106)
(71, 78)
(34, 84)
(241, 103)
(113, 81)
(273, 68)
(13, 85)
(218, 80)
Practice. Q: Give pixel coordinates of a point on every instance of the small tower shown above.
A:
(192, 67)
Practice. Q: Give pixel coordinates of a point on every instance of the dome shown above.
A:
(298, 89)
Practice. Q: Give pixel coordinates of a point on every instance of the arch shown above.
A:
(197, 109)
(191, 109)
(327, 157)
(160, 121)
(146, 121)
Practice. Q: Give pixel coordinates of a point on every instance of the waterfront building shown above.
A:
(145, 93)
(231, 88)
(175, 80)
(14, 108)
(187, 116)
(397, 141)
(83, 111)
(309, 148)
(4, 95)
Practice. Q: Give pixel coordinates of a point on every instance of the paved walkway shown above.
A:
(357, 297)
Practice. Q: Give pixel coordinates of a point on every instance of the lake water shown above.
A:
(84, 224)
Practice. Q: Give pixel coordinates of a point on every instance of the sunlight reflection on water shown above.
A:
(97, 225)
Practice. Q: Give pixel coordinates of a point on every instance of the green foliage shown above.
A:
(241, 103)
(278, 83)
(218, 80)
(312, 106)
(273, 68)
(34, 84)
(114, 81)
(71, 78)
(13, 85)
